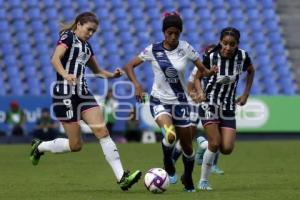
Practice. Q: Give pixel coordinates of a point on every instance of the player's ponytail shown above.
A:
(82, 19)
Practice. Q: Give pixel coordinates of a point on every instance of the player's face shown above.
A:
(228, 46)
(86, 30)
(172, 35)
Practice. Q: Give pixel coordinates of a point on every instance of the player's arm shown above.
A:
(194, 87)
(59, 52)
(203, 71)
(131, 75)
(101, 73)
(242, 100)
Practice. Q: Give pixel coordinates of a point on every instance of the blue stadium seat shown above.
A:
(106, 25)
(19, 26)
(270, 4)
(234, 4)
(269, 14)
(34, 86)
(2, 91)
(12, 71)
(83, 4)
(4, 26)
(139, 25)
(255, 25)
(221, 14)
(191, 25)
(120, 13)
(51, 14)
(201, 3)
(187, 14)
(153, 14)
(240, 25)
(218, 3)
(37, 26)
(2, 13)
(167, 4)
(236, 14)
(137, 14)
(34, 13)
(16, 86)
(253, 14)
(258, 37)
(24, 48)
(32, 3)
(17, 13)
(15, 3)
(126, 37)
(49, 3)
(277, 49)
(66, 4)
(102, 13)
(22, 37)
(271, 25)
(206, 26)
(10, 60)
(274, 37)
(5, 37)
(69, 14)
(183, 4)
(30, 72)
(150, 4)
(135, 3)
(116, 3)
(204, 14)
(250, 3)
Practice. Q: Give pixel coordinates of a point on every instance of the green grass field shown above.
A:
(256, 170)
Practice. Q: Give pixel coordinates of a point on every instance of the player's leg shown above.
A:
(228, 139)
(185, 135)
(214, 139)
(94, 119)
(164, 121)
(58, 145)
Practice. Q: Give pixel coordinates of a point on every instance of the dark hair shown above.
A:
(232, 32)
(172, 19)
(208, 48)
(82, 18)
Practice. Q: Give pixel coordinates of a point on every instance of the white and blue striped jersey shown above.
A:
(169, 84)
(74, 62)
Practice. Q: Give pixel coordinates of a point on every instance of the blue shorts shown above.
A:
(180, 113)
(194, 115)
(214, 114)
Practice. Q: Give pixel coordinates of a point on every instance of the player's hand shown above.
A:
(197, 97)
(242, 100)
(117, 73)
(71, 79)
(214, 70)
(139, 94)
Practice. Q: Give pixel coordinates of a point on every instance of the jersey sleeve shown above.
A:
(192, 53)
(193, 74)
(146, 54)
(91, 49)
(66, 38)
(247, 62)
(206, 61)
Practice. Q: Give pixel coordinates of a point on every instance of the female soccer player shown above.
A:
(169, 102)
(217, 112)
(72, 101)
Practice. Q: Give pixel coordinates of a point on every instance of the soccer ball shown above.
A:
(156, 180)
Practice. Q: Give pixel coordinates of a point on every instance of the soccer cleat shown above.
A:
(35, 155)
(200, 152)
(128, 179)
(173, 179)
(204, 185)
(188, 184)
(216, 170)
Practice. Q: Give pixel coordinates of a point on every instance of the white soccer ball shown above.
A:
(156, 180)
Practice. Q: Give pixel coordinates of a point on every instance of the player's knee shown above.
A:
(214, 145)
(101, 132)
(226, 150)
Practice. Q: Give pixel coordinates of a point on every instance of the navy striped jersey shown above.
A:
(220, 89)
(74, 62)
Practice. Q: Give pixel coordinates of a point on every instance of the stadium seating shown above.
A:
(29, 31)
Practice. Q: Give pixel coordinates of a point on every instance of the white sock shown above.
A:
(204, 144)
(59, 145)
(112, 156)
(178, 146)
(207, 163)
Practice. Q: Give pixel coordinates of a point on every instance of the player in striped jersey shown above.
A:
(169, 102)
(72, 101)
(217, 112)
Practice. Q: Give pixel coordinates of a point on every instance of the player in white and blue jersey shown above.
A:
(72, 101)
(169, 102)
(217, 112)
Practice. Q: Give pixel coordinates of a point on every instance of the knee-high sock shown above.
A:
(58, 145)
(167, 152)
(216, 158)
(188, 162)
(208, 159)
(112, 156)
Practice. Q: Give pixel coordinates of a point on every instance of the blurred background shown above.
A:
(29, 32)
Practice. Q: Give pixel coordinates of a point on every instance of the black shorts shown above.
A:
(209, 114)
(68, 108)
